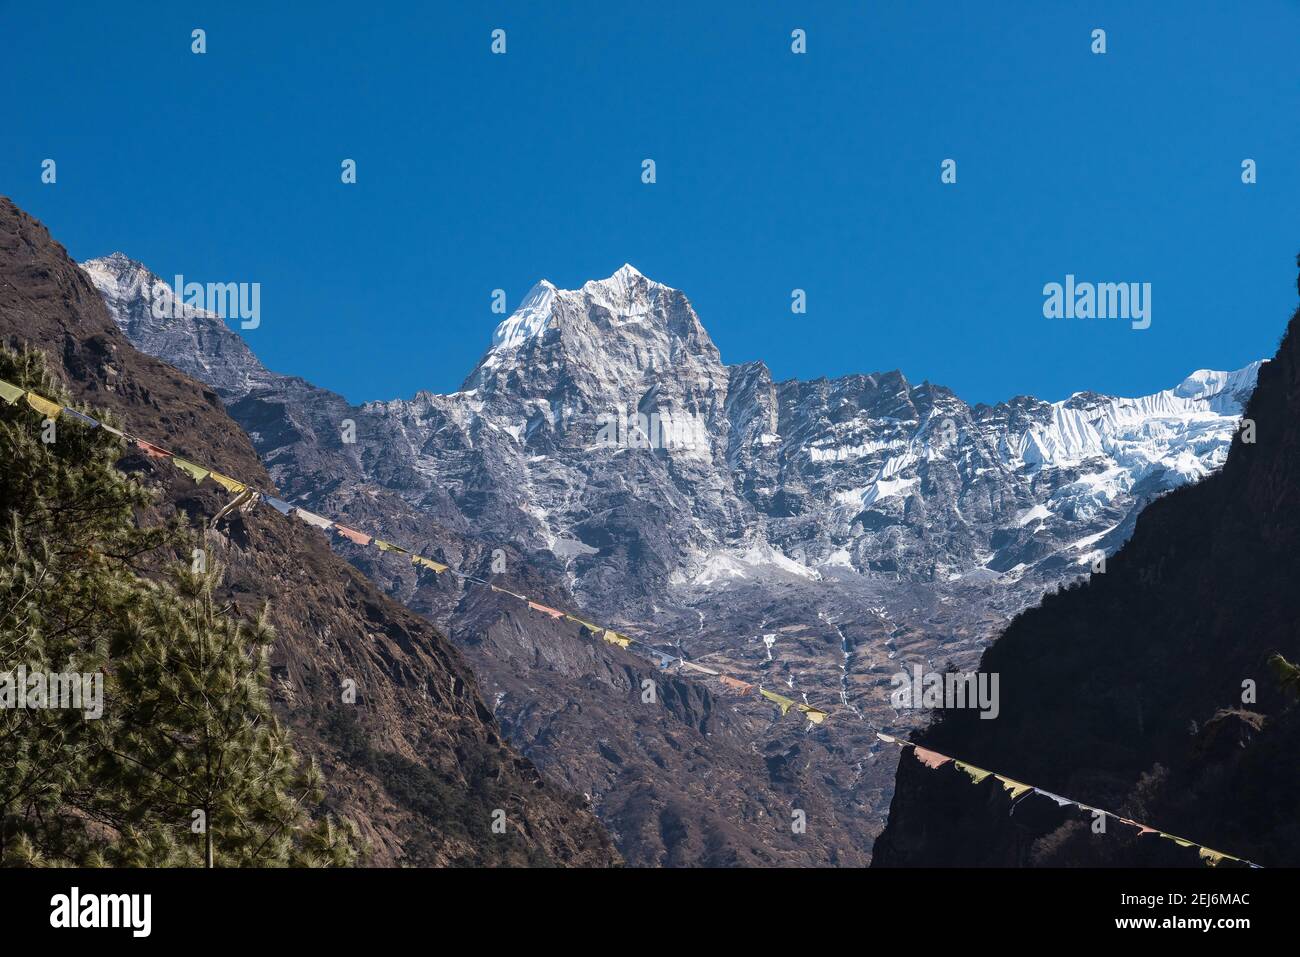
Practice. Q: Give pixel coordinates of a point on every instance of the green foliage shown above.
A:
(1287, 674)
(186, 722)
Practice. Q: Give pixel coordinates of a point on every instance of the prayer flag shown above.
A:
(614, 638)
(1014, 788)
(196, 472)
(700, 668)
(785, 703)
(279, 504)
(585, 624)
(229, 484)
(1060, 801)
(437, 567)
(10, 392)
(82, 418)
(152, 450)
(975, 774)
(931, 759)
(352, 535)
(384, 546)
(553, 612)
(47, 408)
(311, 518)
(815, 715)
(1215, 858)
(740, 687)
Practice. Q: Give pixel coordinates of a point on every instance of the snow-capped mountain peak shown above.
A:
(626, 296)
(1206, 383)
(611, 332)
(120, 274)
(529, 320)
(627, 293)
(195, 341)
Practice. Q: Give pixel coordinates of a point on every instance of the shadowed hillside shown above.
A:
(1126, 691)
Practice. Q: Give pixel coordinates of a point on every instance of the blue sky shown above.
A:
(775, 172)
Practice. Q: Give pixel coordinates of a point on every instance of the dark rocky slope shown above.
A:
(418, 763)
(1126, 692)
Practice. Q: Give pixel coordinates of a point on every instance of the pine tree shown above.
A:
(187, 724)
(198, 745)
(68, 550)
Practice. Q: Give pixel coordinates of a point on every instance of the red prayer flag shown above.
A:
(352, 535)
(554, 613)
(152, 450)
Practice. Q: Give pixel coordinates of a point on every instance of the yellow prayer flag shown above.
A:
(815, 715)
(229, 484)
(785, 703)
(585, 624)
(614, 638)
(196, 472)
(1014, 788)
(47, 408)
(1215, 858)
(975, 774)
(384, 546)
(437, 567)
(10, 392)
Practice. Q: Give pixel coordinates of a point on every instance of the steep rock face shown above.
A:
(418, 763)
(1148, 690)
(814, 536)
(159, 324)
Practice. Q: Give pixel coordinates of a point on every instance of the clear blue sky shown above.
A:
(775, 171)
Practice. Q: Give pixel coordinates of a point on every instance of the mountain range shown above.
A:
(810, 536)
